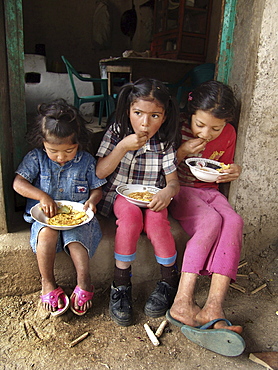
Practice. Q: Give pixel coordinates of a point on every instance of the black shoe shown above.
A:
(160, 300)
(120, 307)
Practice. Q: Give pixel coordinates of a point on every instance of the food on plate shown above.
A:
(67, 216)
(64, 209)
(145, 196)
(224, 167)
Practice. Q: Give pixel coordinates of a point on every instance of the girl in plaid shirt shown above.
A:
(138, 148)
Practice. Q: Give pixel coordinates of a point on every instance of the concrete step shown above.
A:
(20, 275)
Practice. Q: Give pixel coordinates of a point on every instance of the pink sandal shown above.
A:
(83, 296)
(52, 299)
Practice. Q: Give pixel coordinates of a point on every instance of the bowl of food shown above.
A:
(141, 195)
(206, 170)
(70, 215)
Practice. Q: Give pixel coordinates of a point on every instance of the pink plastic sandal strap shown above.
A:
(52, 297)
(82, 295)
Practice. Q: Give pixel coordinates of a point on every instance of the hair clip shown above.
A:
(189, 96)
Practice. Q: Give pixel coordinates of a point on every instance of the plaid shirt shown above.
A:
(145, 166)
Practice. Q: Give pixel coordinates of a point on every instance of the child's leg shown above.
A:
(157, 228)
(130, 226)
(80, 258)
(46, 253)
(202, 222)
(227, 251)
(184, 308)
(215, 230)
(158, 231)
(213, 309)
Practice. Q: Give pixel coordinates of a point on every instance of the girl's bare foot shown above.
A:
(185, 312)
(205, 316)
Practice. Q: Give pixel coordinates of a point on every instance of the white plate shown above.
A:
(204, 169)
(38, 215)
(126, 189)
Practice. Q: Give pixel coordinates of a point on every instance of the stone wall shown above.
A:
(254, 76)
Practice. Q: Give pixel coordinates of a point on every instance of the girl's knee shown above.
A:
(236, 221)
(131, 220)
(47, 232)
(211, 220)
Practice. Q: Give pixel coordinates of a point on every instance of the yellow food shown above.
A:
(141, 195)
(224, 167)
(67, 216)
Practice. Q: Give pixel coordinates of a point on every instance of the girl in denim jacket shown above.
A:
(59, 168)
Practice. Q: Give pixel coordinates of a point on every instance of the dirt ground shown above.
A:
(32, 339)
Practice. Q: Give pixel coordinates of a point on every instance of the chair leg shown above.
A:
(110, 106)
(100, 114)
(76, 103)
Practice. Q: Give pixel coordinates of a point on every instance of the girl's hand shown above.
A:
(90, 204)
(232, 174)
(135, 141)
(107, 165)
(160, 200)
(163, 198)
(95, 197)
(48, 206)
(189, 147)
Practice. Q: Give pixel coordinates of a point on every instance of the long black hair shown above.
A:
(61, 120)
(215, 98)
(149, 90)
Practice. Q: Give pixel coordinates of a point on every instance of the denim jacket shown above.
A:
(73, 181)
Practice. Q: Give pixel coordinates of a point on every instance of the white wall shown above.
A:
(52, 86)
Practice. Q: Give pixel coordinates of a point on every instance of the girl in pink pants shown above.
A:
(203, 212)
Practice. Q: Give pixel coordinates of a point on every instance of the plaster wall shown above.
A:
(254, 77)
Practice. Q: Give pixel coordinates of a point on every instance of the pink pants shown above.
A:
(131, 221)
(215, 230)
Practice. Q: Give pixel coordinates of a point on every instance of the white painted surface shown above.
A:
(52, 86)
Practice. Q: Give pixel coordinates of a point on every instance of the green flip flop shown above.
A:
(222, 341)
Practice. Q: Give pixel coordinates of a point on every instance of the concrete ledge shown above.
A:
(20, 275)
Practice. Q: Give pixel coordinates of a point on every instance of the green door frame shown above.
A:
(225, 60)
(12, 102)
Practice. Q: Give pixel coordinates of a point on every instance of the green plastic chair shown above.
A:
(103, 98)
(193, 78)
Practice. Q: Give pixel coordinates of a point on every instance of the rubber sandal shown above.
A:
(52, 299)
(222, 341)
(83, 296)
